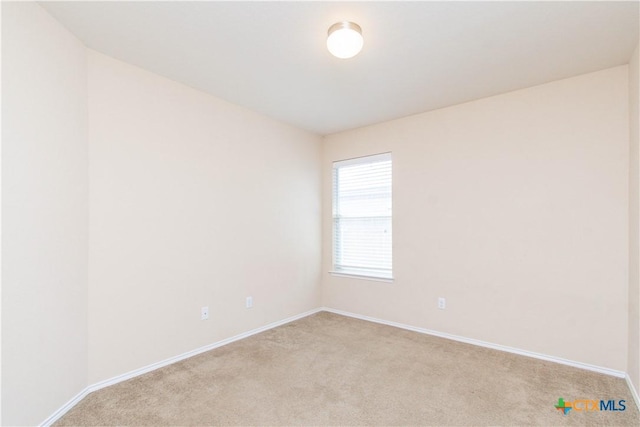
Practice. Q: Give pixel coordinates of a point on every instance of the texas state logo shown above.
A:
(590, 405)
(563, 406)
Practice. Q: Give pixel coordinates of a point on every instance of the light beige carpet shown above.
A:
(327, 369)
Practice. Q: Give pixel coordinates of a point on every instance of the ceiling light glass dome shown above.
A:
(345, 39)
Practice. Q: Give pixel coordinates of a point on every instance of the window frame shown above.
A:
(358, 273)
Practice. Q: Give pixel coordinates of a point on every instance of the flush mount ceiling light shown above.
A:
(345, 39)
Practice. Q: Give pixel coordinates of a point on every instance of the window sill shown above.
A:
(362, 277)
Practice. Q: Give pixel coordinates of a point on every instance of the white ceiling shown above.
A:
(418, 56)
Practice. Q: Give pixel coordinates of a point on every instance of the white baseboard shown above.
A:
(602, 370)
(169, 361)
(634, 392)
(137, 372)
(66, 407)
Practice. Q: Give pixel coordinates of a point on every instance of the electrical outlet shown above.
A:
(249, 302)
(442, 303)
(204, 313)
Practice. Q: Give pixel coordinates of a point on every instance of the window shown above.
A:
(362, 237)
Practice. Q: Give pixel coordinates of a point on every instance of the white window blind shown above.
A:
(362, 235)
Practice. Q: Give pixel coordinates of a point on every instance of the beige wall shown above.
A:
(44, 215)
(194, 202)
(633, 367)
(514, 208)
